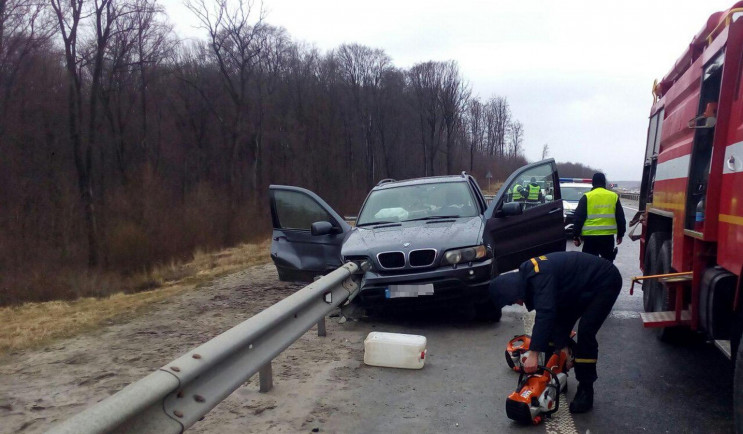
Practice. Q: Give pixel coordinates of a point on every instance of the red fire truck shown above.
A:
(691, 201)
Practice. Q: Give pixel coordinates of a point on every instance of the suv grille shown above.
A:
(391, 259)
(422, 258)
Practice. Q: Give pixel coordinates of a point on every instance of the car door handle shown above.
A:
(281, 237)
(553, 210)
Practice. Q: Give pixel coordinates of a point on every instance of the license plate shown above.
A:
(399, 291)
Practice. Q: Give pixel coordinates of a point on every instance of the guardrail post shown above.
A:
(265, 376)
(321, 327)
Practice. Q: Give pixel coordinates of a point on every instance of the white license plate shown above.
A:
(399, 291)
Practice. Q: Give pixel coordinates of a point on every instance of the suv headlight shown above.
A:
(467, 254)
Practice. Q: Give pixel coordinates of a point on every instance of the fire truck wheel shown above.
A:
(663, 301)
(652, 266)
(738, 389)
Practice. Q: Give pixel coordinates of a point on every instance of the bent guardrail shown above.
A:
(180, 393)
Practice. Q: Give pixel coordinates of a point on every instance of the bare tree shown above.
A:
(80, 54)
(363, 68)
(476, 131)
(139, 41)
(153, 43)
(235, 38)
(273, 58)
(25, 26)
(498, 120)
(545, 151)
(517, 139)
(69, 15)
(425, 80)
(454, 95)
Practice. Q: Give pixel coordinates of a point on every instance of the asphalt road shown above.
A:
(644, 385)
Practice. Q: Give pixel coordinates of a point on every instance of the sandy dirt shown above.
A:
(42, 386)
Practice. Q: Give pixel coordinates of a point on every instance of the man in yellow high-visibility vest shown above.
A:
(534, 191)
(598, 218)
(518, 193)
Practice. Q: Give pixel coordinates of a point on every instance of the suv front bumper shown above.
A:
(465, 283)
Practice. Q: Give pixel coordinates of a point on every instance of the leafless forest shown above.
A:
(123, 147)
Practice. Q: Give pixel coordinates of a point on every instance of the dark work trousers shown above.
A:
(599, 245)
(593, 308)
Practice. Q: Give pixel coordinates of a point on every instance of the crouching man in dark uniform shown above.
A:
(563, 287)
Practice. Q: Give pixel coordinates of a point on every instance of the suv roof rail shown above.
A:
(386, 180)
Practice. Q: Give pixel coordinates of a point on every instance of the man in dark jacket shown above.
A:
(563, 287)
(598, 217)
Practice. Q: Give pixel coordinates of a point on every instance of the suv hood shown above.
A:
(440, 235)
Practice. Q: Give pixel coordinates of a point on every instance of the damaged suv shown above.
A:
(431, 240)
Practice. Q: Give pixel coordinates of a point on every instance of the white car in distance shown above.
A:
(572, 189)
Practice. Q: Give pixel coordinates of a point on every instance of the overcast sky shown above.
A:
(578, 74)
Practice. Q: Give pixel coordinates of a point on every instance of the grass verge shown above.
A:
(33, 324)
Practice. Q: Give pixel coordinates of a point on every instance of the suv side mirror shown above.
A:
(510, 208)
(321, 228)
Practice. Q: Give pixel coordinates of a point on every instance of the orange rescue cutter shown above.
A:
(537, 395)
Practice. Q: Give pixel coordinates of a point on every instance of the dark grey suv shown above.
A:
(429, 240)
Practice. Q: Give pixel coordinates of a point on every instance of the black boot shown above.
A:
(583, 400)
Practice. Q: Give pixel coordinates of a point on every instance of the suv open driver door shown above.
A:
(525, 218)
(307, 234)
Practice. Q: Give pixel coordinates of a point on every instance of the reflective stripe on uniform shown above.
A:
(536, 265)
(586, 360)
(601, 206)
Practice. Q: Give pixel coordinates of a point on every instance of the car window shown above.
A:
(413, 202)
(533, 188)
(574, 193)
(296, 210)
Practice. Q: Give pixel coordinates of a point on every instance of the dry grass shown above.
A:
(34, 324)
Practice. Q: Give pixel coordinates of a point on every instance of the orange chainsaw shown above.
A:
(538, 394)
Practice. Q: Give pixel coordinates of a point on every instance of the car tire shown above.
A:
(488, 311)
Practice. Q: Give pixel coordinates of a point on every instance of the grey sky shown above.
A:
(578, 74)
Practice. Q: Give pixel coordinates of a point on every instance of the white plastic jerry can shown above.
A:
(395, 350)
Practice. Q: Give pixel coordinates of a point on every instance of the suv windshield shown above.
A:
(417, 202)
(573, 193)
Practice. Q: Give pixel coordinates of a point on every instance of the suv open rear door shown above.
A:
(520, 226)
(307, 234)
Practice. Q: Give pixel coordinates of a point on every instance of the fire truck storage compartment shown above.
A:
(717, 291)
(701, 155)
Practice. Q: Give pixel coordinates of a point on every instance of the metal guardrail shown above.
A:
(630, 196)
(180, 393)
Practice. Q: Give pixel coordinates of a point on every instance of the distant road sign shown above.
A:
(488, 175)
